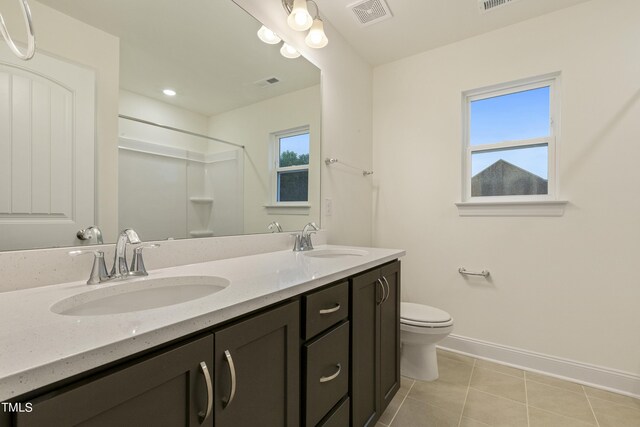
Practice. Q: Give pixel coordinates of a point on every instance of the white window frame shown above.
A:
(553, 82)
(275, 165)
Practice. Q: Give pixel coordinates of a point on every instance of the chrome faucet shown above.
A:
(89, 232)
(303, 240)
(275, 227)
(120, 269)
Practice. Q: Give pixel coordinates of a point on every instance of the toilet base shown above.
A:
(419, 362)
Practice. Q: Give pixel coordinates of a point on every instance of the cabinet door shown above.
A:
(375, 342)
(390, 334)
(366, 295)
(169, 389)
(257, 365)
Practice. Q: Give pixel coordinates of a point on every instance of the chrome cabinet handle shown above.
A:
(383, 291)
(330, 310)
(332, 377)
(207, 378)
(232, 371)
(388, 288)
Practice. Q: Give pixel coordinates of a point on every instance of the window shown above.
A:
(291, 167)
(510, 139)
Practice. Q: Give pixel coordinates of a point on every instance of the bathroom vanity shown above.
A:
(294, 339)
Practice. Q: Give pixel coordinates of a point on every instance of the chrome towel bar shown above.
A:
(464, 272)
(330, 161)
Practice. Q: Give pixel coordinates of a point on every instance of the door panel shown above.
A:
(366, 293)
(47, 144)
(390, 335)
(265, 363)
(164, 390)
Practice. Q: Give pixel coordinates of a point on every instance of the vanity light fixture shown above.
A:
(169, 92)
(316, 37)
(268, 36)
(289, 51)
(301, 20)
(299, 17)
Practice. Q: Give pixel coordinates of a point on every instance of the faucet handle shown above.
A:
(275, 226)
(99, 269)
(298, 242)
(307, 241)
(137, 262)
(89, 232)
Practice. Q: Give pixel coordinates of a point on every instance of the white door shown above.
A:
(47, 143)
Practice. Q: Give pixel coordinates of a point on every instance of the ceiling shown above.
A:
(208, 52)
(420, 25)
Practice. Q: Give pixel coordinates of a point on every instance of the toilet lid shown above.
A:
(420, 313)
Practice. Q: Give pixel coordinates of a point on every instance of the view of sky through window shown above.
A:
(512, 117)
(516, 116)
(293, 185)
(298, 144)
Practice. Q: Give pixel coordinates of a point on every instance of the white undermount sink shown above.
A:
(140, 295)
(335, 253)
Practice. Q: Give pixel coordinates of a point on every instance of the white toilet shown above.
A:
(421, 327)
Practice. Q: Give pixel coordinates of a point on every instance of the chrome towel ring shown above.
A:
(31, 40)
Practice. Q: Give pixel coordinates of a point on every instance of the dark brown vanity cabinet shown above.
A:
(173, 388)
(327, 358)
(258, 370)
(375, 348)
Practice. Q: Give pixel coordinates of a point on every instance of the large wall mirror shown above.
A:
(237, 149)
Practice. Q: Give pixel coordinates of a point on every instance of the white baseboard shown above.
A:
(578, 372)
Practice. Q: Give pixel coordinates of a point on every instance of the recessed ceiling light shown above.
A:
(169, 92)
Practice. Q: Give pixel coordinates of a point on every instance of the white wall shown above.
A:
(225, 181)
(153, 195)
(252, 127)
(346, 124)
(143, 107)
(65, 37)
(156, 184)
(562, 286)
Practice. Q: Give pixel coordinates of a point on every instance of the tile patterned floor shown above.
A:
(477, 393)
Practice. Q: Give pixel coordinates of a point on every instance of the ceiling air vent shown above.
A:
(267, 82)
(489, 5)
(370, 12)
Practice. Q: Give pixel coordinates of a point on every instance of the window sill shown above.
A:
(288, 209)
(288, 205)
(530, 208)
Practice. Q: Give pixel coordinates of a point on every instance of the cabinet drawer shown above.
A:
(339, 417)
(327, 373)
(325, 308)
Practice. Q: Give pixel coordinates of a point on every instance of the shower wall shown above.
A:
(173, 185)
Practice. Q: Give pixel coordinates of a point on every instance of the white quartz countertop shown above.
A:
(39, 347)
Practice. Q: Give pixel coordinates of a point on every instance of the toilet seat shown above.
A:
(420, 315)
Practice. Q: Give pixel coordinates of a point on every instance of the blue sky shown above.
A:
(298, 144)
(521, 115)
